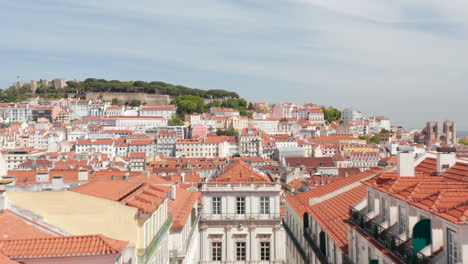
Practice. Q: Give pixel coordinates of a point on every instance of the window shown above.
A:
(265, 251)
(370, 202)
(216, 251)
(146, 233)
(264, 205)
(452, 247)
(384, 210)
(402, 226)
(240, 251)
(154, 224)
(240, 205)
(216, 203)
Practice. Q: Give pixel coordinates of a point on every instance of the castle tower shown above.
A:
(432, 132)
(450, 132)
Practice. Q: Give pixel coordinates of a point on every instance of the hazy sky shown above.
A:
(405, 59)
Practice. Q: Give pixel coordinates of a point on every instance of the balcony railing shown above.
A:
(404, 251)
(243, 262)
(151, 248)
(317, 252)
(296, 242)
(241, 216)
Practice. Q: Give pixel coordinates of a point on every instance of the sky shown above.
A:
(405, 59)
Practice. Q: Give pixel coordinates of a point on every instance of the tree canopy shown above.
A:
(331, 114)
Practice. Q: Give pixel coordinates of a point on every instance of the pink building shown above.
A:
(199, 130)
(277, 112)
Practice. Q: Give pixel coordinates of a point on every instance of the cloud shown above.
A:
(327, 50)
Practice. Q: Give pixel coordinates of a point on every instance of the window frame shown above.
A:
(452, 257)
(265, 250)
(216, 205)
(265, 205)
(241, 251)
(240, 205)
(216, 251)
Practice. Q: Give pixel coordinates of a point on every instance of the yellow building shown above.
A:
(133, 210)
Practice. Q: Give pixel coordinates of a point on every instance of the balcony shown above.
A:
(317, 252)
(296, 242)
(241, 217)
(178, 254)
(151, 248)
(243, 262)
(403, 250)
(264, 186)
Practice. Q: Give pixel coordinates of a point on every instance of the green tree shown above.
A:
(375, 139)
(463, 142)
(188, 104)
(331, 114)
(115, 101)
(175, 121)
(135, 103)
(227, 132)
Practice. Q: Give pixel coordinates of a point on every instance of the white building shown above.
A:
(166, 111)
(241, 219)
(350, 115)
(417, 215)
(269, 126)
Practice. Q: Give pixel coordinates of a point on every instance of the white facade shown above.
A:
(350, 115)
(241, 222)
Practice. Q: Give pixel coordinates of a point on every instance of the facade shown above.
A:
(240, 219)
(108, 207)
(350, 115)
(165, 111)
(416, 214)
(250, 143)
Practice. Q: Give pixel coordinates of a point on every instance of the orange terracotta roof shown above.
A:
(332, 214)
(66, 246)
(299, 201)
(445, 196)
(110, 189)
(181, 207)
(14, 226)
(240, 171)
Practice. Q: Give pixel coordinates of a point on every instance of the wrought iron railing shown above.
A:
(240, 216)
(317, 251)
(296, 242)
(345, 259)
(401, 249)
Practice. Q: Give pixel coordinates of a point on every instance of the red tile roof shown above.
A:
(240, 171)
(181, 207)
(332, 214)
(309, 162)
(66, 246)
(14, 226)
(445, 196)
(301, 201)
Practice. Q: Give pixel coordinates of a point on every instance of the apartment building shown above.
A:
(165, 111)
(210, 147)
(241, 219)
(414, 215)
(316, 224)
(135, 210)
(250, 143)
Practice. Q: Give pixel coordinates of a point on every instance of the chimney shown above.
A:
(57, 183)
(172, 195)
(446, 158)
(405, 159)
(182, 177)
(42, 176)
(3, 199)
(82, 174)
